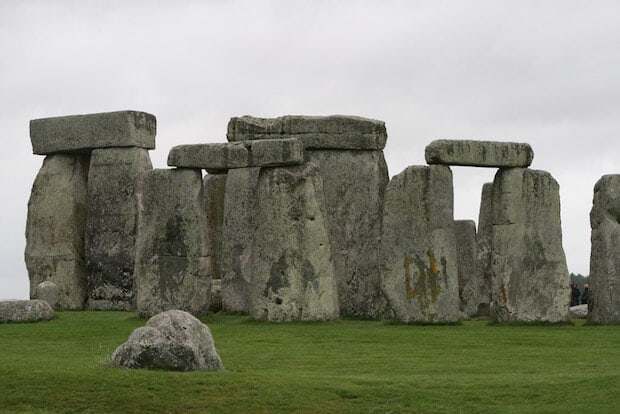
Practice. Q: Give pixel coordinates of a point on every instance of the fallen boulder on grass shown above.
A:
(25, 311)
(172, 340)
(579, 311)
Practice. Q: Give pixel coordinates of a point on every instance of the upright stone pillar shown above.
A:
(530, 277)
(418, 246)
(238, 238)
(465, 232)
(113, 194)
(294, 275)
(604, 301)
(171, 252)
(484, 269)
(348, 152)
(215, 190)
(55, 228)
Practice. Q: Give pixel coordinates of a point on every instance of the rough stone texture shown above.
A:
(222, 157)
(484, 239)
(238, 238)
(113, 193)
(354, 185)
(214, 187)
(215, 301)
(294, 275)
(83, 133)
(530, 277)
(479, 153)
(605, 254)
(465, 234)
(171, 251)
(579, 311)
(56, 226)
(316, 132)
(48, 292)
(418, 246)
(25, 311)
(172, 340)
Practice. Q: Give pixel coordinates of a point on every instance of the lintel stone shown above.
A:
(315, 132)
(479, 153)
(83, 133)
(244, 154)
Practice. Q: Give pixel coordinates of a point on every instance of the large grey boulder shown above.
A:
(530, 276)
(605, 254)
(479, 153)
(465, 233)
(316, 132)
(25, 311)
(172, 340)
(47, 291)
(225, 156)
(579, 311)
(237, 257)
(484, 240)
(55, 228)
(214, 187)
(172, 265)
(113, 194)
(418, 246)
(83, 133)
(294, 275)
(354, 183)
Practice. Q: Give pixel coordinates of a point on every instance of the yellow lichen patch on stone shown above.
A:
(427, 287)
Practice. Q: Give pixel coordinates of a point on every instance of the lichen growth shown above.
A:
(427, 288)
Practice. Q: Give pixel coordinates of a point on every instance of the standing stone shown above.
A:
(171, 252)
(484, 268)
(237, 258)
(56, 226)
(418, 245)
(479, 153)
(294, 275)
(214, 191)
(530, 277)
(354, 183)
(113, 194)
(465, 233)
(348, 152)
(604, 277)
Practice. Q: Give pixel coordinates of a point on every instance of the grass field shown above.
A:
(343, 366)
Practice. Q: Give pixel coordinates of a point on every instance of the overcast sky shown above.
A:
(542, 72)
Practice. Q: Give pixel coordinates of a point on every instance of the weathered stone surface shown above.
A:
(214, 187)
(56, 226)
(354, 185)
(215, 301)
(294, 275)
(316, 132)
(225, 156)
(171, 251)
(418, 246)
(48, 292)
(83, 133)
(25, 311)
(171, 340)
(238, 238)
(530, 277)
(484, 239)
(579, 311)
(479, 153)
(465, 233)
(113, 193)
(605, 254)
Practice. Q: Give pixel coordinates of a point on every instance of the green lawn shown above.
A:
(344, 366)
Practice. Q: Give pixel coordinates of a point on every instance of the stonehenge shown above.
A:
(296, 218)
